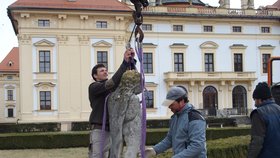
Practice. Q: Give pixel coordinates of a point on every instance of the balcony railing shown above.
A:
(213, 76)
(226, 112)
(236, 12)
(206, 11)
(211, 11)
(264, 12)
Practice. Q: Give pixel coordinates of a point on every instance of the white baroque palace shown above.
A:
(218, 54)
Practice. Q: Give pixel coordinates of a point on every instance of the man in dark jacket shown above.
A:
(265, 135)
(98, 92)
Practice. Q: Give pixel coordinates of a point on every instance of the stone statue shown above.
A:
(224, 4)
(125, 116)
(250, 4)
(247, 4)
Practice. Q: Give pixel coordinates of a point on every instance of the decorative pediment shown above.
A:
(238, 46)
(267, 47)
(149, 45)
(151, 84)
(9, 87)
(10, 105)
(209, 45)
(102, 43)
(44, 43)
(178, 45)
(47, 84)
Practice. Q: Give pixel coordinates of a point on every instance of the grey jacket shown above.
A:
(186, 135)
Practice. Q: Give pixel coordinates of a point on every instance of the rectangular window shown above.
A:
(45, 100)
(265, 29)
(149, 98)
(101, 24)
(178, 62)
(177, 27)
(148, 62)
(236, 29)
(43, 23)
(44, 61)
(147, 27)
(209, 62)
(102, 58)
(265, 60)
(207, 28)
(238, 63)
(10, 112)
(10, 95)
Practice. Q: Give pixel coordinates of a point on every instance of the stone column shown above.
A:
(119, 50)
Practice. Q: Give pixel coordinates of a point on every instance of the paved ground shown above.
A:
(45, 153)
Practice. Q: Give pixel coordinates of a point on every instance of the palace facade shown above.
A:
(218, 53)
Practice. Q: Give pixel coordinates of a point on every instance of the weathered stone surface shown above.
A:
(125, 116)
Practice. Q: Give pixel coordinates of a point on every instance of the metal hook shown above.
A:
(139, 34)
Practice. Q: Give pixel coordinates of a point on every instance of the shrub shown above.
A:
(231, 147)
(49, 140)
(80, 126)
(225, 121)
(31, 127)
(216, 133)
(46, 140)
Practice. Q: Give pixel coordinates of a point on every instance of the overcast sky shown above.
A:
(8, 39)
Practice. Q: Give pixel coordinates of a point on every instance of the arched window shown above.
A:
(239, 100)
(210, 100)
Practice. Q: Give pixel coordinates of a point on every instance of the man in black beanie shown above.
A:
(265, 132)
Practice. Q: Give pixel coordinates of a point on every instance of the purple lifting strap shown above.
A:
(139, 52)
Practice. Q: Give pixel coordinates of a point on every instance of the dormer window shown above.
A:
(10, 63)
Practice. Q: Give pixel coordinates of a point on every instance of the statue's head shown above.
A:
(131, 81)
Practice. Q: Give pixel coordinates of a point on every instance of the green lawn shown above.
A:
(45, 153)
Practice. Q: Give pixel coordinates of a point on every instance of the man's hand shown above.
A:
(129, 54)
(149, 152)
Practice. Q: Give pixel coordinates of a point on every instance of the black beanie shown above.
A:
(262, 91)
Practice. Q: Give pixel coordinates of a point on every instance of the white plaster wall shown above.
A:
(222, 28)
(224, 62)
(251, 29)
(193, 27)
(162, 27)
(275, 30)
